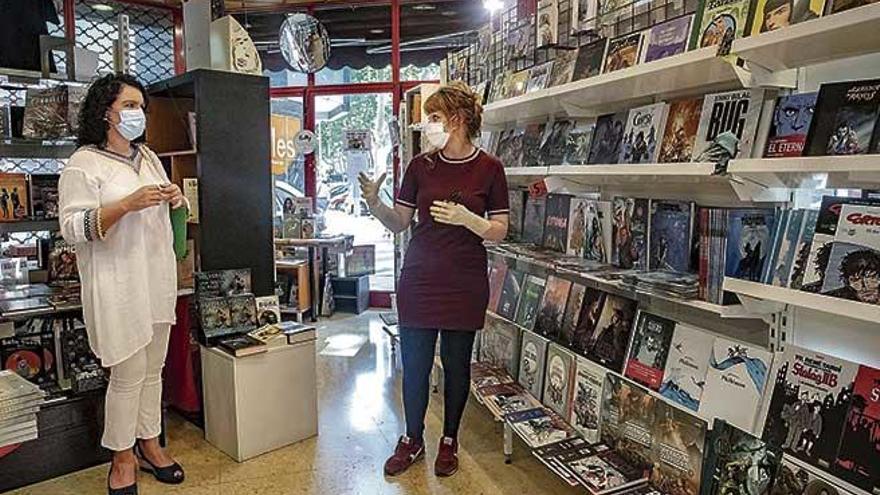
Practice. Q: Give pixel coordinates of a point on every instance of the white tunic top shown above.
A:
(129, 279)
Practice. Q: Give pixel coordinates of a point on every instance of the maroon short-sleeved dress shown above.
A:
(443, 282)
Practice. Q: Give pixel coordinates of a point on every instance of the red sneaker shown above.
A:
(447, 457)
(407, 452)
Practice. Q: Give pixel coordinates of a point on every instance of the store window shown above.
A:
(288, 166)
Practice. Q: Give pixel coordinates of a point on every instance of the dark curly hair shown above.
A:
(92, 124)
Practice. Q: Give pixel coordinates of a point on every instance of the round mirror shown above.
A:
(304, 43)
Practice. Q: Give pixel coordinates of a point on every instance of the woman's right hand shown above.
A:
(370, 189)
(144, 197)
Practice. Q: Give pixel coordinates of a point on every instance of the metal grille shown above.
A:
(152, 38)
(32, 165)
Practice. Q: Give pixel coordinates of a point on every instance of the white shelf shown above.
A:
(620, 89)
(816, 302)
(627, 174)
(810, 171)
(526, 172)
(846, 34)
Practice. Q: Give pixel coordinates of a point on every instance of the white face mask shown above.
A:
(436, 134)
(132, 123)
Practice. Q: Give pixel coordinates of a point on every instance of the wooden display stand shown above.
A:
(260, 403)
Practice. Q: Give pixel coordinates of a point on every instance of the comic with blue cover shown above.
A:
(748, 242)
(670, 238)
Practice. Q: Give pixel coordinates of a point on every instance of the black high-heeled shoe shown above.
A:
(131, 489)
(170, 475)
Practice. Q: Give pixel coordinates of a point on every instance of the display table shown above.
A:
(313, 245)
(260, 403)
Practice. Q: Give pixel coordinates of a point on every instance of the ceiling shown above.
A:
(360, 32)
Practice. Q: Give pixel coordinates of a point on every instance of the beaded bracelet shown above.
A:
(100, 224)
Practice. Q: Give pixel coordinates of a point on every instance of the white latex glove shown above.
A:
(457, 214)
(370, 189)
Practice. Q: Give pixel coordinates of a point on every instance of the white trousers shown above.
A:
(133, 408)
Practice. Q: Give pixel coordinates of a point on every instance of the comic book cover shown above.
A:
(563, 67)
(518, 39)
(781, 225)
(599, 476)
(770, 15)
(857, 459)
(529, 300)
(622, 52)
(802, 253)
(735, 111)
(539, 427)
(607, 138)
(735, 382)
(547, 23)
(680, 134)
(823, 237)
(497, 274)
(13, 197)
(719, 21)
(243, 311)
(499, 344)
(612, 334)
(533, 352)
(531, 145)
(556, 222)
(841, 5)
(583, 15)
(798, 479)
(589, 381)
(510, 147)
(630, 233)
(738, 463)
(510, 293)
(667, 38)
(517, 83)
(553, 143)
(685, 374)
(594, 239)
(628, 416)
(845, 122)
(539, 76)
(679, 446)
(589, 60)
(748, 242)
(670, 237)
(853, 270)
(644, 126)
(588, 320)
(791, 122)
(650, 347)
(577, 143)
(808, 404)
(552, 309)
(606, 220)
(517, 200)
(534, 219)
(781, 269)
(572, 313)
(558, 378)
(577, 227)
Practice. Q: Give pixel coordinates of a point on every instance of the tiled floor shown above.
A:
(360, 419)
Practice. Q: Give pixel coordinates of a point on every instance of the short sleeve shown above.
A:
(498, 200)
(78, 203)
(409, 187)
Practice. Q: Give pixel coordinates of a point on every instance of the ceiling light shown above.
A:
(424, 7)
(377, 31)
(449, 13)
(493, 5)
(102, 7)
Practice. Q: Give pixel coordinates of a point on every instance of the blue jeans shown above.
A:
(417, 353)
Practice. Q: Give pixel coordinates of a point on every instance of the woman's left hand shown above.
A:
(451, 213)
(173, 195)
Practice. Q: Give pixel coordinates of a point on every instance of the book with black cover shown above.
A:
(577, 145)
(510, 293)
(670, 237)
(607, 139)
(857, 459)
(222, 283)
(44, 195)
(590, 312)
(243, 311)
(529, 301)
(242, 346)
(611, 337)
(552, 309)
(572, 313)
(606, 472)
(589, 60)
(644, 128)
(650, 348)
(738, 463)
(846, 117)
(556, 222)
(553, 143)
(630, 233)
(517, 200)
(531, 145)
(534, 219)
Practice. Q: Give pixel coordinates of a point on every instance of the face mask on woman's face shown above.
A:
(132, 123)
(436, 134)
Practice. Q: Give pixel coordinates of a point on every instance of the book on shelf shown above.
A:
(517, 83)
(670, 235)
(854, 260)
(798, 479)
(563, 67)
(517, 201)
(552, 309)
(679, 445)
(857, 457)
(595, 232)
(589, 60)
(737, 112)
(577, 226)
(590, 311)
(630, 232)
(268, 310)
(531, 144)
(266, 333)
(14, 194)
(572, 313)
(497, 274)
(242, 310)
(784, 257)
(539, 77)
(607, 139)
(684, 376)
(547, 23)
(242, 346)
(538, 427)
(583, 15)
(802, 249)
(500, 344)
(622, 52)
(577, 143)
(842, 5)
(651, 343)
(611, 336)
(749, 239)
(680, 132)
(558, 378)
(770, 15)
(792, 117)
(667, 38)
(529, 301)
(845, 122)
(738, 463)
(532, 363)
(554, 141)
(550, 455)
(510, 294)
(191, 193)
(627, 419)
(587, 396)
(556, 222)
(736, 379)
(644, 126)
(44, 196)
(606, 472)
(719, 22)
(534, 219)
(506, 398)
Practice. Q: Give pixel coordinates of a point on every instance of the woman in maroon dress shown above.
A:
(460, 193)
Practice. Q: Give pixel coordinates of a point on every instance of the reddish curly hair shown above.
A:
(458, 99)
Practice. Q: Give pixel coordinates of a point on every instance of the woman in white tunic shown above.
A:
(114, 207)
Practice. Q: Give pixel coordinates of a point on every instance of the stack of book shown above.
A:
(20, 401)
(662, 283)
